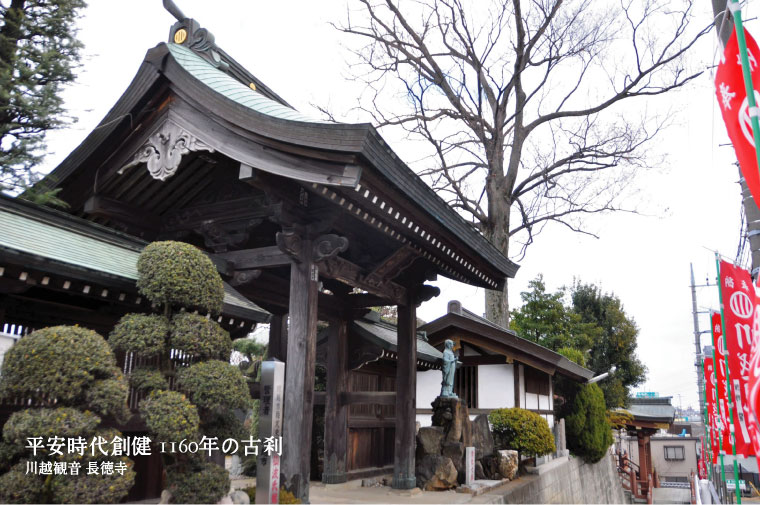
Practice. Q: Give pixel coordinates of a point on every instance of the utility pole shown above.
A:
(697, 345)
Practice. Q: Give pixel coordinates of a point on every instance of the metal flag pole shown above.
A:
(736, 10)
(728, 384)
(717, 401)
(707, 450)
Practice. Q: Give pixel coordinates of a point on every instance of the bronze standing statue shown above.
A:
(449, 368)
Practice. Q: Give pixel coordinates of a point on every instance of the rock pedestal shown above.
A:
(451, 414)
(441, 448)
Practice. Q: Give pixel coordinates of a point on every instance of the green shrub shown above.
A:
(60, 363)
(8, 455)
(100, 488)
(573, 355)
(179, 274)
(288, 497)
(146, 380)
(200, 337)
(16, 486)
(62, 422)
(589, 434)
(285, 496)
(108, 397)
(143, 334)
(224, 426)
(197, 482)
(522, 430)
(215, 385)
(170, 416)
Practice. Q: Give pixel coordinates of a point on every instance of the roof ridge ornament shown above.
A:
(188, 32)
(170, 6)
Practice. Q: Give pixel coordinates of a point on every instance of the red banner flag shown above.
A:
(738, 311)
(753, 383)
(723, 421)
(732, 99)
(712, 409)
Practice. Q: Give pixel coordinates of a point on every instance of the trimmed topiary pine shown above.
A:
(56, 365)
(197, 481)
(521, 430)
(146, 380)
(73, 371)
(143, 334)
(194, 351)
(63, 422)
(170, 416)
(199, 337)
(589, 433)
(214, 386)
(107, 397)
(176, 274)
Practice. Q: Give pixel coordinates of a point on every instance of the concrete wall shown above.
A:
(569, 481)
(667, 469)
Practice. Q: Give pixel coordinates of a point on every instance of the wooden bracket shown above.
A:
(424, 293)
(327, 246)
(241, 277)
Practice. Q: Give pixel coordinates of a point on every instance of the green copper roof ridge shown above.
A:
(234, 90)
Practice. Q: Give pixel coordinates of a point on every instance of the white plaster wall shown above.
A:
(544, 402)
(469, 352)
(496, 386)
(531, 401)
(425, 420)
(428, 388)
(6, 342)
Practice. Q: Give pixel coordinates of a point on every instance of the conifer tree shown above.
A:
(39, 53)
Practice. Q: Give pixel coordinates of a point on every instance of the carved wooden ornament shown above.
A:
(164, 149)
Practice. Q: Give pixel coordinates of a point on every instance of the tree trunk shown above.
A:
(497, 303)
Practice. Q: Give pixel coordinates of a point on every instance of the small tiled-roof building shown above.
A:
(499, 369)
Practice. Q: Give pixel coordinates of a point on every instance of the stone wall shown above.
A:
(569, 481)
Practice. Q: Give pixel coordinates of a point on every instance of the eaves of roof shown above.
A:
(234, 103)
(67, 240)
(507, 339)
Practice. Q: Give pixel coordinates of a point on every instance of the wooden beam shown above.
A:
(394, 264)
(406, 388)
(261, 257)
(343, 270)
(101, 206)
(239, 209)
(363, 300)
(299, 374)
(336, 430)
(278, 337)
(369, 397)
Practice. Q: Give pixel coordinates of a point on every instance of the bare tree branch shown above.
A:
(521, 103)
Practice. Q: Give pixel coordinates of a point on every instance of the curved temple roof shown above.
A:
(237, 111)
(231, 88)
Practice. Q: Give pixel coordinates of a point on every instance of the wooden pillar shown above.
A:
(644, 457)
(406, 390)
(336, 412)
(299, 374)
(278, 337)
(516, 374)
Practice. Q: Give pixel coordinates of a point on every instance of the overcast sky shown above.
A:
(693, 200)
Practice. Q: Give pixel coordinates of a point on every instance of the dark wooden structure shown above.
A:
(649, 416)
(371, 360)
(308, 219)
(56, 268)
